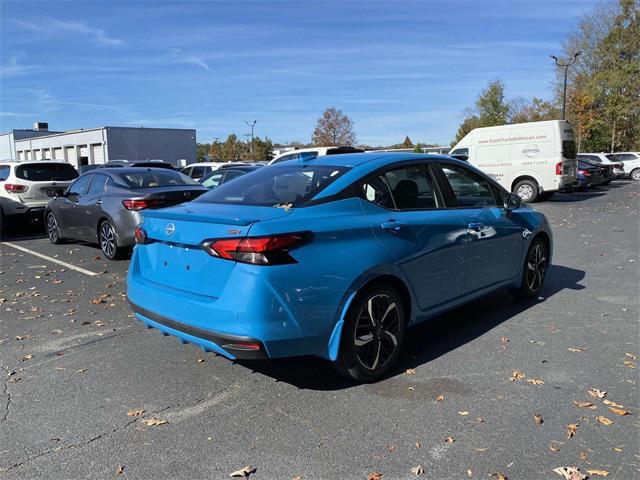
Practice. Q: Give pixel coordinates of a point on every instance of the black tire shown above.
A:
(543, 197)
(373, 334)
(53, 230)
(3, 224)
(534, 269)
(109, 241)
(527, 190)
(635, 175)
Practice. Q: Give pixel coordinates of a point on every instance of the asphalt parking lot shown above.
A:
(86, 389)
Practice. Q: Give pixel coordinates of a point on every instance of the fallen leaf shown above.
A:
(630, 355)
(417, 444)
(152, 422)
(629, 364)
(243, 472)
(535, 381)
(618, 449)
(619, 411)
(97, 301)
(516, 375)
(120, 470)
(410, 371)
(449, 440)
(481, 449)
(411, 388)
(26, 357)
(538, 419)
(297, 477)
(135, 413)
(391, 448)
(584, 456)
(553, 448)
(418, 470)
(598, 473)
(374, 476)
(440, 398)
(576, 349)
(570, 473)
(588, 405)
(604, 420)
(504, 339)
(469, 472)
(612, 404)
(464, 414)
(81, 370)
(499, 476)
(200, 360)
(594, 392)
(571, 430)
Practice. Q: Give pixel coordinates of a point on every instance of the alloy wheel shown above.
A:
(635, 175)
(52, 228)
(376, 333)
(536, 266)
(107, 239)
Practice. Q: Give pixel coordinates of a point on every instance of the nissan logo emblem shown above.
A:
(169, 229)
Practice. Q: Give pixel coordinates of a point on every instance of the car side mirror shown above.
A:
(512, 201)
(460, 157)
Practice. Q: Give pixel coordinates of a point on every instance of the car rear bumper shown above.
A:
(223, 344)
(11, 207)
(283, 320)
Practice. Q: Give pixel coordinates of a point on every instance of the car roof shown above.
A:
(355, 159)
(118, 171)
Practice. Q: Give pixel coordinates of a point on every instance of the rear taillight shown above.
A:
(559, 168)
(140, 236)
(586, 173)
(271, 250)
(15, 188)
(140, 203)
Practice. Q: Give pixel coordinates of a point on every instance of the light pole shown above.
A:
(566, 66)
(251, 145)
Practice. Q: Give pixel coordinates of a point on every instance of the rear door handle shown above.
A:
(475, 226)
(392, 225)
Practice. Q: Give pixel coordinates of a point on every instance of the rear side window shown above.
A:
(625, 157)
(99, 184)
(376, 190)
(591, 158)
(46, 172)
(470, 189)
(80, 186)
(153, 179)
(5, 170)
(412, 188)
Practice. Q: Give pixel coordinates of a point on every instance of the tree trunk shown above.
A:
(613, 136)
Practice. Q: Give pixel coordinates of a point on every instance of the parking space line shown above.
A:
(53, 260)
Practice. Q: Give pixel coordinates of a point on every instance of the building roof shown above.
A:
(83, 130)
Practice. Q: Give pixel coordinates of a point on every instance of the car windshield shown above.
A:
(152, 179)
(275, 186)
(44, 172)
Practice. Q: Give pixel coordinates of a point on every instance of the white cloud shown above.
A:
(53, 26)
(189, 59)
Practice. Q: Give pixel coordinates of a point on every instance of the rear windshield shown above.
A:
(46, 172)
(275, 186)
(152, 179)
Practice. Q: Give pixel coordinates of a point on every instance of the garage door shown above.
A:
(97, 153)
(46, 153)
(20, 155)
(57, 153)
(70, 154)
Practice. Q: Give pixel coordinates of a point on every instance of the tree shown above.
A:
(262, 149)
(232, 149)
(334, 128)
(201, 151)
(417, 148)
(407, 143)
(468, 124)
(537, 110)
(215, 150)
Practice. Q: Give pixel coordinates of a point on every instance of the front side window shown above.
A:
(412, 188)
(80, 186)
(213, 180)
(46, 172)
(470, 189)
(281, 186)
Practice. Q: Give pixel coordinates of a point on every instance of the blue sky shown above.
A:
(397, 67)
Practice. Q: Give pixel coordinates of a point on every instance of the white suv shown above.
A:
(27, 187)
(631, 162)
(605, 159)
(313, 152)
(201, 169)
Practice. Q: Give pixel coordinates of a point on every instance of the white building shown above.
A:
(99, 145)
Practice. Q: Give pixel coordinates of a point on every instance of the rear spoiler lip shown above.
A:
(192, 217)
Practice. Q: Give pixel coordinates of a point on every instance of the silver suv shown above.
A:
(27, 187)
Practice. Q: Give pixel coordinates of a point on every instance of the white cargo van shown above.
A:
(532, 160)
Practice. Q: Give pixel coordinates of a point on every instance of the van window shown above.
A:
(569, 149)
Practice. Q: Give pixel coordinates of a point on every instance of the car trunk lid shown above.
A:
(174, 258)
(42, 191)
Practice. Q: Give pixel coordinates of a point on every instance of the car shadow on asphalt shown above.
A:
(427, 341)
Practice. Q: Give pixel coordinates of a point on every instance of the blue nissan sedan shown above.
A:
(335, 256)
